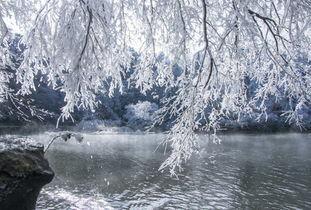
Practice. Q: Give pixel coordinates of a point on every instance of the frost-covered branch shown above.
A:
(235, 57)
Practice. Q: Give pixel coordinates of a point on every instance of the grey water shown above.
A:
(244, 171)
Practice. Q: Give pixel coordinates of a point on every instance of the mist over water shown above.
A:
(121, 171)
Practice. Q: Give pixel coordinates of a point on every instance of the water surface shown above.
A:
(121, 172)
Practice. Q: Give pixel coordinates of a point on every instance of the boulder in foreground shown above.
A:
(23, 173)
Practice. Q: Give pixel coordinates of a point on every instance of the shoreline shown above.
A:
(34, 128)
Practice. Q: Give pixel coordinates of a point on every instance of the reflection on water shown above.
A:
(121, 172)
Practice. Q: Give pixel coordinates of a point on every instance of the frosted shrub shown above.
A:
(140, 114)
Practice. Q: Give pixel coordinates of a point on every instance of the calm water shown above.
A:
(121, 172)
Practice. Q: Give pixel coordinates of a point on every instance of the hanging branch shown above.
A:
(90, 15)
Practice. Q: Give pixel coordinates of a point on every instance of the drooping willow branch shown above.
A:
(65, 136)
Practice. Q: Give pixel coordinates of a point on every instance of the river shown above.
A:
(120, 171)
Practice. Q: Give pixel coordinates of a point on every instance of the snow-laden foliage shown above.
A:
(220, 45)
(4, 74)
(15, 108)
(140, 114)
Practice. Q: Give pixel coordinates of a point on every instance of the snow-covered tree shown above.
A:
(219, 45)
(140, 114)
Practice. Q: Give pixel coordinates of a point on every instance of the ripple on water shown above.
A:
(64, 199)
(244, 172)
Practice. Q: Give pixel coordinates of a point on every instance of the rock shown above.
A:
(23, 173)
